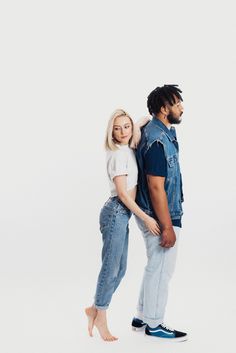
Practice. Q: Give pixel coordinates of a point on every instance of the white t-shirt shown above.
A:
(122, 162)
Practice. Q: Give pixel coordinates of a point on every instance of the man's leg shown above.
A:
(158, 271)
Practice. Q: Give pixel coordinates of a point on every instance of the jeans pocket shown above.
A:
(105, 218)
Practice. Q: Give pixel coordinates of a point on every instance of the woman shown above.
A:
(114, 217)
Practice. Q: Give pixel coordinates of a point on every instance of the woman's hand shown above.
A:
(152, 225)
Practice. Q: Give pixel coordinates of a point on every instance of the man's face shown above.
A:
(175, 112)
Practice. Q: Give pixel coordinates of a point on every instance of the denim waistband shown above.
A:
(116, 200)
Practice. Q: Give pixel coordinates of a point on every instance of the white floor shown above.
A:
(43, 313)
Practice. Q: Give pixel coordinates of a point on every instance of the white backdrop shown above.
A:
(65, 66)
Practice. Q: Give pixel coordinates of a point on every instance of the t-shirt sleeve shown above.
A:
(117, 164)
(155, 161)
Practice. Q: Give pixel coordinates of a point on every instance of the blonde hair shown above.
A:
(110, 143)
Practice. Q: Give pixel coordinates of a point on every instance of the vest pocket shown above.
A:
(172, 160)
(172, 163)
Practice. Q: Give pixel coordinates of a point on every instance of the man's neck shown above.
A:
(163, 120)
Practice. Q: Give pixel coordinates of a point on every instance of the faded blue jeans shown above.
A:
(114, 226)
(157, 274)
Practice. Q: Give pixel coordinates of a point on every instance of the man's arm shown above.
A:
(160, 206)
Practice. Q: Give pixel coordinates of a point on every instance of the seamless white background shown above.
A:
(65, 66)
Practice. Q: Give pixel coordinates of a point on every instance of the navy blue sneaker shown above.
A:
(138, 325)
(166, 333)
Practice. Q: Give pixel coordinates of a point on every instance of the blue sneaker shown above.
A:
(138, 325)
(166, 333)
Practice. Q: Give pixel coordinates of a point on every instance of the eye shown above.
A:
(127, 126)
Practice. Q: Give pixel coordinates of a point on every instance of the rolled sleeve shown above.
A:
(117, 165)
(155, 161)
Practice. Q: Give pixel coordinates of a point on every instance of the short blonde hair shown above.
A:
(110, 144)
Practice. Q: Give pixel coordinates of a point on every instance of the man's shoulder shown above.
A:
(153, 133)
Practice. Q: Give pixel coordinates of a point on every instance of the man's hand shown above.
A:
(168, 237)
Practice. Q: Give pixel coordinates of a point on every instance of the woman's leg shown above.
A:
(101, 321)
(91, 313)
(101, 324)
(114, 255)
(123, 260)
(114, 231)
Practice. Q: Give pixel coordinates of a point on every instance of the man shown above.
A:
(159, 195)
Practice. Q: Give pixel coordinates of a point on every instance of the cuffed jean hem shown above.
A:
(139, 315)
(152, 322)
(101, 307)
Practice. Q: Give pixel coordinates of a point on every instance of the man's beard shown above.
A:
(173, 120)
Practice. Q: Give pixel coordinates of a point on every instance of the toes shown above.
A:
(110, 338)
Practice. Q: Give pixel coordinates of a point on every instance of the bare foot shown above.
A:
(101, 323)
(91, 313)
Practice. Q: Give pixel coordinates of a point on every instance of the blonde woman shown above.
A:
(114, 217)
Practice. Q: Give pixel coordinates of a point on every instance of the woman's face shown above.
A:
(122, 130)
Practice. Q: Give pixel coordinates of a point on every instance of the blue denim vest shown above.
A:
(156, 131)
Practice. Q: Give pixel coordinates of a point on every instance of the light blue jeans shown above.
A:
(114, 226)
(157, 274)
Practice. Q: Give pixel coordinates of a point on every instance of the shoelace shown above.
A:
(167, 327)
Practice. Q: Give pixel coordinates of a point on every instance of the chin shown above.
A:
(177, 121)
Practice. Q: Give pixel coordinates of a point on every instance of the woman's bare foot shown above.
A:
(101, 323)
(91, 313)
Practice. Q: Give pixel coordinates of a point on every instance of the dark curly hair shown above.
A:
(160, 96)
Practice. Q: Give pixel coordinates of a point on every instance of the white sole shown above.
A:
(138, 329)
(162, 339)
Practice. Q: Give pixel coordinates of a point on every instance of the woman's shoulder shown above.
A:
(120, 153)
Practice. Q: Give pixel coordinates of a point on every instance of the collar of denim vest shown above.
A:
(171, 133)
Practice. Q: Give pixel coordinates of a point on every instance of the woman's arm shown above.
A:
(137, 132)
(121, 189)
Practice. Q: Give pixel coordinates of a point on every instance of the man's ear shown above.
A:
(165, 110)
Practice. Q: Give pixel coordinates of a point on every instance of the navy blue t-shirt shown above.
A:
(156, 164)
